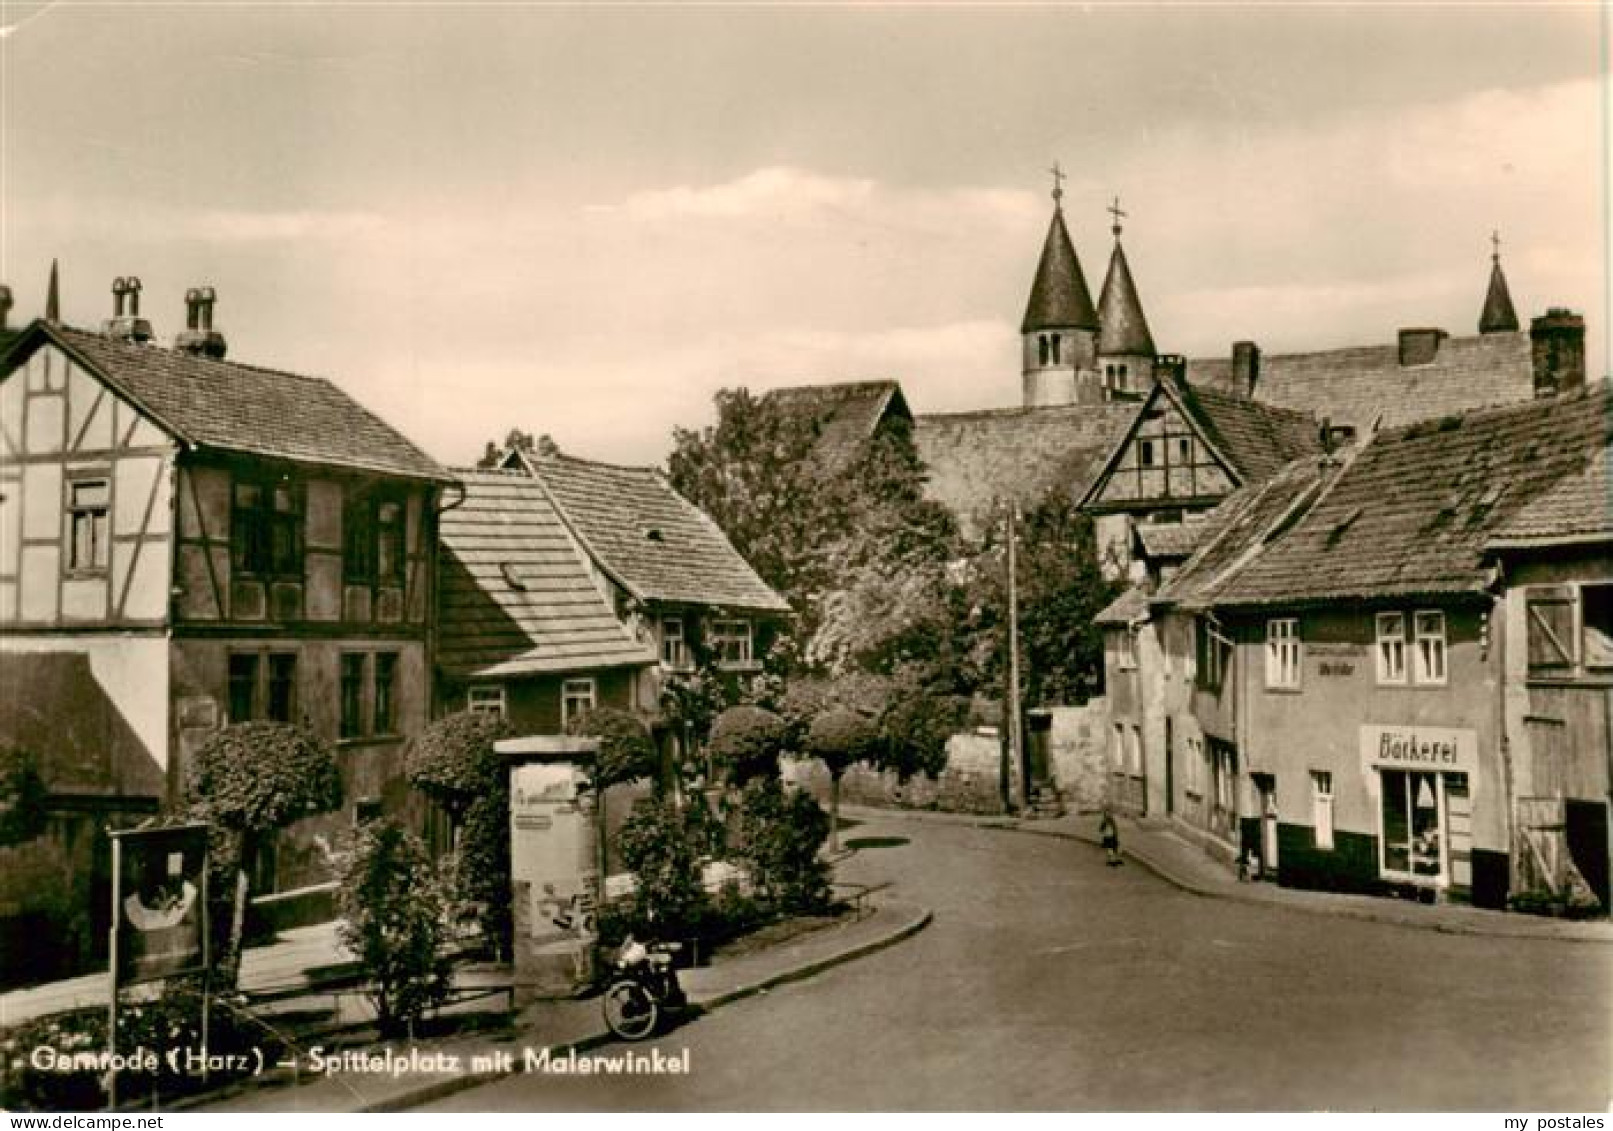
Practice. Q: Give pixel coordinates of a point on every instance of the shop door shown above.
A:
(1267, 787)
(1459, 824)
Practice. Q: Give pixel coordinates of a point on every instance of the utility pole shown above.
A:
(1016, 740)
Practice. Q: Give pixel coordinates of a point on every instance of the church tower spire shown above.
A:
(1125, 345)
(1060, 327)
(1498, 317)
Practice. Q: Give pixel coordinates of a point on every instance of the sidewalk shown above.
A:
(1162, 851)
(569, 1024)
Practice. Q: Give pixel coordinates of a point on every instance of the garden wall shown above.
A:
(971, 782)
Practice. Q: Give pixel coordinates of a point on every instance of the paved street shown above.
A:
(1048, 981)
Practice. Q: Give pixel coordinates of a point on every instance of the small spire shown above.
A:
(1058, 185)
(53, 297)
(1114, 211)
(1498, 316)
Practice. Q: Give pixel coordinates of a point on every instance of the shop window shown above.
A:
(386, 702)
(731, 642)
(674, 648)
(1596, 602)
(1430, 628)
(1322, 808)
(1282, 654)
(352, 691)
(576, 699)
(89, 536)
(488, 697)
(266, 529)
(1411, 833)
(1391, 648)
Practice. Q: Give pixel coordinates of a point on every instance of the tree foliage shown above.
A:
(22, 796)
(746, 742)
(841, 737)
(394, 919)
(779, 834)
(665, 845)
(627, 751)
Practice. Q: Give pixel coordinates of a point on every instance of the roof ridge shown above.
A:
(539, 460)
(1601, 387)
(220, 362)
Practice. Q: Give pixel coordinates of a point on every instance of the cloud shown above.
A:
(253, 227)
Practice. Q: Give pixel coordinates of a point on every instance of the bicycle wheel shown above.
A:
(630, 1010)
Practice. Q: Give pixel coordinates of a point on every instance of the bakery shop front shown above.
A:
(1424, 781)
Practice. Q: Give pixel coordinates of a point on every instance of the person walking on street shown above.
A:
(1109, 834)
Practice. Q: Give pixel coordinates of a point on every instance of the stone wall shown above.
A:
(1077, 754)
(971, 782)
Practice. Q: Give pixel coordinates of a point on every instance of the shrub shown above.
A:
(453, 762)
(916, 731)
(394, 913)
(746, 742)
(627, 752)
(778, 835)
(665, 846)
(22, 797)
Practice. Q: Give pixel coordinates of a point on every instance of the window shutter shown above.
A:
(1551, 627)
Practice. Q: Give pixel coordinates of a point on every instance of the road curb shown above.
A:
(442, 1089)
(1365, 914)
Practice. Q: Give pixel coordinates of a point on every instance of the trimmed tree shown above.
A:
(840, 738)
(746, 742)
(453, 762)
(248, 781)
(627, 752)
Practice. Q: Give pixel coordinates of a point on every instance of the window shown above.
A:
(1041, 348)
(731, 641)
(1117, 756)
(386, 702)
(1145, 452)
(1184, 451)
(674, 650)
(243, 686)
(1134, 751)
(1430, 647)
(87, 509)
(1194, 785)
(488, 697)
(266, 529)
(1391, 648)
(1282, 654)
(352, 721)
(389, 543)
(576, 698)
(1322, 808)
(1125, 649)
(1056, 344)
(374, 549)
(1410, 816)
(1121, 374)
(1596, 601)
(282, 703)
(1214, 655)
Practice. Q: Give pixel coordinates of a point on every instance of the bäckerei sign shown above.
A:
(1453, 749)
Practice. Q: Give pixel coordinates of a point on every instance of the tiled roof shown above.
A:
(1236, 529)
(1577, 508)
(244, 408)
(1122, 328)
(653, 541)
(1412, 512)
(845, 415)
(1168, 540)
(1257, 438)
(1358, 385)
(974, 458)
(516, 593)
(1132, 605)
(1059, 297)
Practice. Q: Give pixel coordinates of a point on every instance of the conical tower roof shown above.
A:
(53, 297)
(1059, 296)
(1498, 316)
(1122, 329)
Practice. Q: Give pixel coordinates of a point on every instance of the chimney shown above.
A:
(127, 326)
(198, 336)
(5, 306)
(1419, 345)
(1245, 368)
(1557, 342)
(1171, 367)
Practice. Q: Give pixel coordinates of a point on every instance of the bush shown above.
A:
(169, 1021)
(394, 911)
(22, 797)
(665, 846)
(778, 835)
(916, 731)
(627, 752)
(453, 762)
(746, 742)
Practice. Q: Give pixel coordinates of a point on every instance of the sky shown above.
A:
(585, 220)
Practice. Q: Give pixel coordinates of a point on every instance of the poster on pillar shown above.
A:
(159, 902)
(554, 850)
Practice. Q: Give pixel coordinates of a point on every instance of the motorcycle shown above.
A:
(641, 988)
